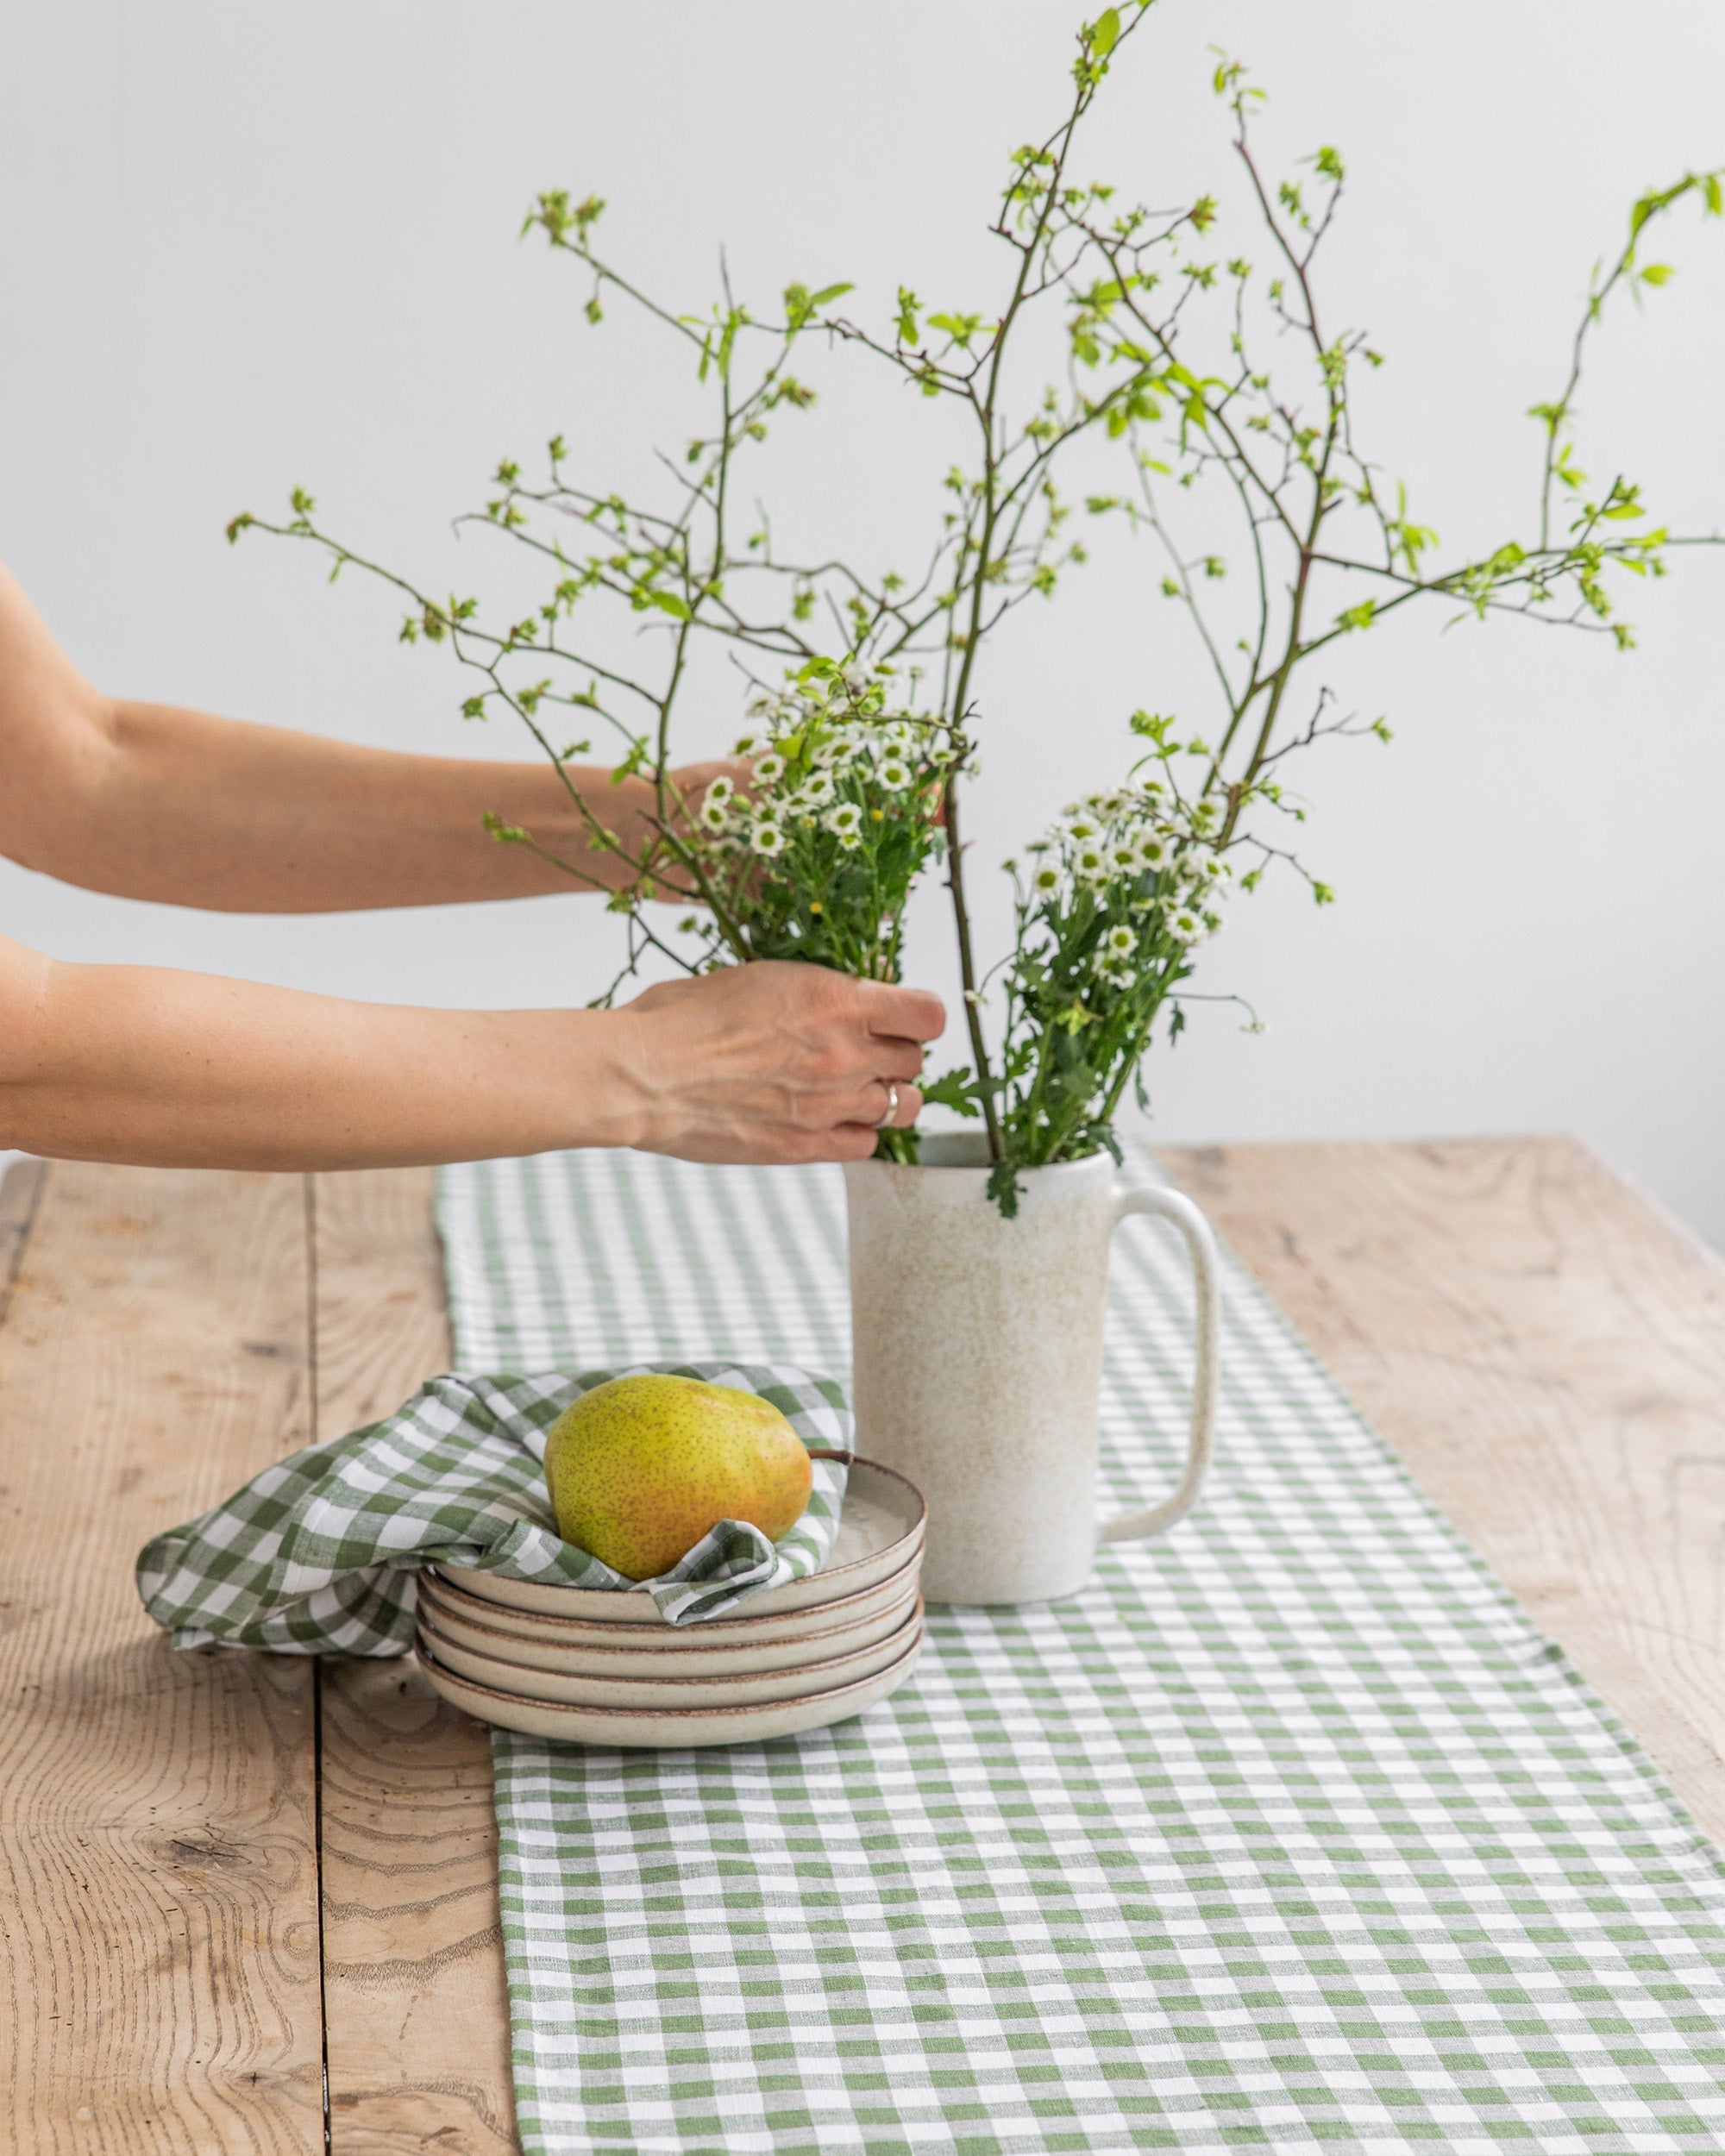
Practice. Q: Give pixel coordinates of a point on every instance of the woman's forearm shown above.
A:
(241, 818)
(764, 1063)
(140, 1064)
(151, 801)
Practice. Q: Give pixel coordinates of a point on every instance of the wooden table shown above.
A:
(229, 1883)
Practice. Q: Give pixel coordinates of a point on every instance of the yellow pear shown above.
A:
(641, 1468)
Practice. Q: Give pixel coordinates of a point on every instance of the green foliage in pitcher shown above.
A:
(1228, 392)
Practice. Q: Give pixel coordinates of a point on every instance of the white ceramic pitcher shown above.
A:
(978, 1359)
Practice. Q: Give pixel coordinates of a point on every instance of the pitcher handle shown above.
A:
(1201, 1248)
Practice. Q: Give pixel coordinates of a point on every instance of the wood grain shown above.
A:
(1547, 1354)
(417, 2012)
(159, 1951)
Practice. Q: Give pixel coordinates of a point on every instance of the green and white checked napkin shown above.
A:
(320, 1554)
(1290, 1832)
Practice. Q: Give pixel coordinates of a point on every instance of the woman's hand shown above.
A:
(762, 1063)
(777, 1062)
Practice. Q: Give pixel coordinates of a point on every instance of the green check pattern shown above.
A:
(1290, 1832)
(320, 1552)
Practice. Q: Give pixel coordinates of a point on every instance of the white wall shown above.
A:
(244, 247)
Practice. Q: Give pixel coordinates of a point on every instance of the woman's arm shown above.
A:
(148, 801)
(764, 1063)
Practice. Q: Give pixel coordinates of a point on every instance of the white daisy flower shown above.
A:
(769, 766)
(816, 790)
(1185, 921)
(714, 816)
(1080, 828)
(1046, 880)
(1091, 865)
(719, 790)
(1121, 942)
(766, 837)
(747, 744)
(895, 772)
(1155, 850)
(846, 823)
(1123, 853)
(843, 746)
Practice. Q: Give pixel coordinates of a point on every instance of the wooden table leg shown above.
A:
(417, 2012)
(159, 1935)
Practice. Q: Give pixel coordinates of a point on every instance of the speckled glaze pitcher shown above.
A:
(978, 1360)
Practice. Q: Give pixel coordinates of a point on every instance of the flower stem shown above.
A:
(967, 966)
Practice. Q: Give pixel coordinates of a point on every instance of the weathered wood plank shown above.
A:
(417, 2012)
(1547, 1354)
(158, 1953)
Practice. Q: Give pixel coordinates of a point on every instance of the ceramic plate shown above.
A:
(881, 1526)
(744, 1648)
(586, 1687)
(667, 1729)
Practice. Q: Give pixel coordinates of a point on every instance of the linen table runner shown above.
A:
(1290, 1832)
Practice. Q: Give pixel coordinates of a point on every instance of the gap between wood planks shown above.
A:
(416, 2008)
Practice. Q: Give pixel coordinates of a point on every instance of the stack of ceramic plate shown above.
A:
(605, 1669)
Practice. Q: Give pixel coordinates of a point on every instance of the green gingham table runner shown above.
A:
(1290, 1832)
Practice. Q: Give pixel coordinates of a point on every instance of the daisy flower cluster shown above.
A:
(1111, 902)
(1127, 875)
(816, 855)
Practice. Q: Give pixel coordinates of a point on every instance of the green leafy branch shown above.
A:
(1310, 507)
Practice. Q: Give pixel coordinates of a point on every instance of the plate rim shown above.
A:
(914, 1620)
(715, 1633)
(667, 1714)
